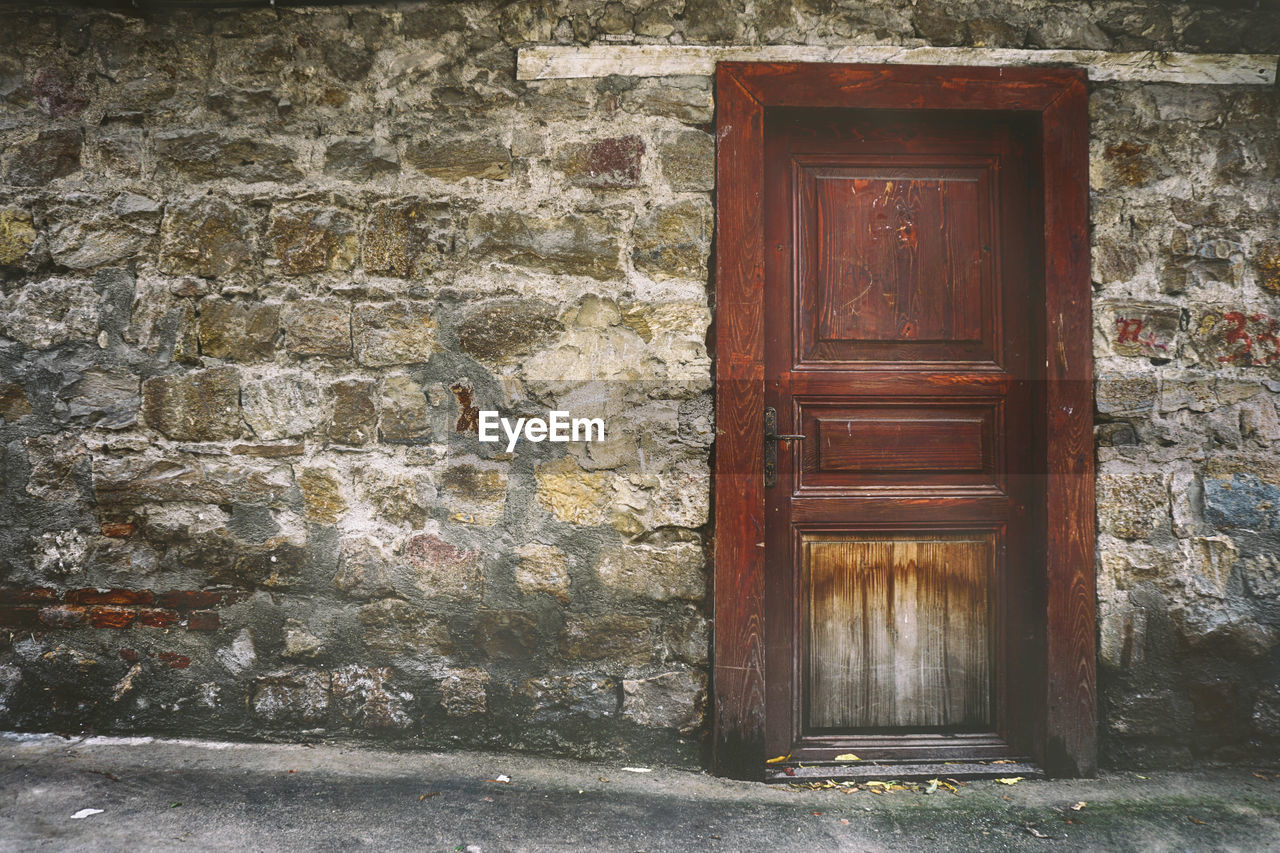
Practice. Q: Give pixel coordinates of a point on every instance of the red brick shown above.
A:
(203, 620)
(20, 617)
(117, 529)
(34, 595)
(62, 616)
(154, 618)
(111, 617)
(190, 599)
(110, 596)
(175, 661)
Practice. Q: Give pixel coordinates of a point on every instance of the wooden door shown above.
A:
(902, 278)
(899, 279)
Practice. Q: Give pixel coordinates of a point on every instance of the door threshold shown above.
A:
(905, 771)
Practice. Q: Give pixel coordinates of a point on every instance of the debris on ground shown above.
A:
(84, 813)
(879, 786)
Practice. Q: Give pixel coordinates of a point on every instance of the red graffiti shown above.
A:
(1251, 348)
(1131, 333)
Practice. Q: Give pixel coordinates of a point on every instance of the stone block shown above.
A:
(298, 697)
(17, 235)
(674, 240)
(317, 327)
(395, 626)
(474, 493)
(1243, 502)
(202, 405)
(604, 163)
(543, 569)
(674, 572)
(503, 332)
(506, 634)
(620, 638)
(407, 238)
(393, 333)
(1241, 337)
(53, 154)
(405, 416)
(48, 313)
(205, 236)
(322, 494)
(307, 239)
(1141, 329)
(454, 158)
(573, 495)
(688, 100)
(368, 697)
(1266, 263)
(82, 239)
(355, 412)
(282, 405)
(583, 244)
(237, 332)
(398, 496)
(363, 571)
(442, 570)
(359, 159)
(1124, 395)
(688, 161)
(207, 155)
(299, 643)
(672, 700)
(555, 696)
(1132, 505)
(463, 692)
(13, 402)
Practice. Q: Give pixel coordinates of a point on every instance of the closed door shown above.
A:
(901, 259)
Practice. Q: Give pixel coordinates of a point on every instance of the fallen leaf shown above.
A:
(1078, 806)
(1011, 780)
(428, 794)
(790, 771)
(602, 779)
(1037, 833)
(1004, 761)
(1140, 776)
(848, 756)
(1195, 820)
(816, 814)
(777, 759)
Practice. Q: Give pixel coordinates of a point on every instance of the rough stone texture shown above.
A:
(198, 406)
(394, 333)
(261, 268)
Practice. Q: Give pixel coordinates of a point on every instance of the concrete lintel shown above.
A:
(548, 63)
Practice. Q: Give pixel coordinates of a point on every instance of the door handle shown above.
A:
(771, 439)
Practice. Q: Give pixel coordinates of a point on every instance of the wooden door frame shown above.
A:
(1067, 715)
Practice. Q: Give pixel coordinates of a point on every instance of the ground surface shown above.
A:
(204, 796)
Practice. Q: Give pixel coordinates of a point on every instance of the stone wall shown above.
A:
(262, 268)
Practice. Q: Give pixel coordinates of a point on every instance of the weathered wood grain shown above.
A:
(546, 63)
(899, 630)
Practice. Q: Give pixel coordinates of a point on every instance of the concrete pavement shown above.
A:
(202, 795)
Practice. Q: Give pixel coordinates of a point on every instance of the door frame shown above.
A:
(1065, 707)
